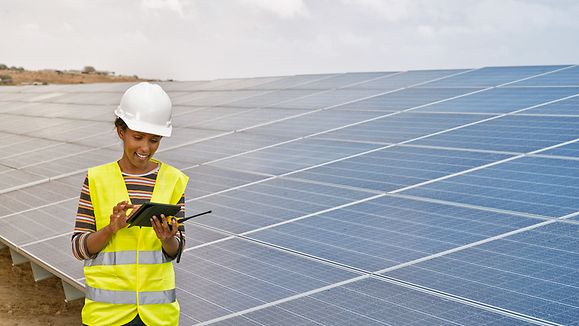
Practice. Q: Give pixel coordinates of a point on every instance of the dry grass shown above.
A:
(53, 77)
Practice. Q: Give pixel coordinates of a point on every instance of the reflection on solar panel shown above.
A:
(395, 198)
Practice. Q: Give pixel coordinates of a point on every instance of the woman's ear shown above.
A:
(121, 133)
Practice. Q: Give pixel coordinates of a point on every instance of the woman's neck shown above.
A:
(129, 168)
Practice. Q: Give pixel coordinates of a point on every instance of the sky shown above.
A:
(214, 39)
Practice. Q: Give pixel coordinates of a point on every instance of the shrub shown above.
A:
(88, 70)
(5, 79)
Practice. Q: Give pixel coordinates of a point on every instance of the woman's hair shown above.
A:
(121, 124)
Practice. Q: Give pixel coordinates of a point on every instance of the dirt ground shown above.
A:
(24, 302)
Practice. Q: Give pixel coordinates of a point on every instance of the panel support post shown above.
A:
(71, 293)
(17, 259)
(40, 273)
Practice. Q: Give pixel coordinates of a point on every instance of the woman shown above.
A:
(129, 272)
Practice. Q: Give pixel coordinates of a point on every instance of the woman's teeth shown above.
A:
(141, 155)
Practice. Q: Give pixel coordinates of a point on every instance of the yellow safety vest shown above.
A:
(130, 274)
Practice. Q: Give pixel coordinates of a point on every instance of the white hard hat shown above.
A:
(145, 107)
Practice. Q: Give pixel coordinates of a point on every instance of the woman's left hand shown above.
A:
(161, 227)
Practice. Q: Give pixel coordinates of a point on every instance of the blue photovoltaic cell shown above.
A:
(294, 156)
(234, 275)
(272, 98)
(388, 231)
(248, 118)
(401, 127)
(343, 80)
(501, 100)
(407, 78)
(204, 116)
(246, 83)
(565, 77)
(270, 202)
(407, 98)
(221, 98)
(182, 136)
(534, 272)
(291, 82)
(371, 302)
(536, 185)
(204, 180)
(397, 167)
(519, 134)
(571, 150)
(569, 106)
(196, 235)
(314, 123)
(326, 99)
(178, 99)
(220, 147)
(492, 76)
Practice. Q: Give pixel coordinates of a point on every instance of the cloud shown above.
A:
(282, 8)
(170, 5)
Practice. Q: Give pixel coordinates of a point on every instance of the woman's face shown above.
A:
(139, 148)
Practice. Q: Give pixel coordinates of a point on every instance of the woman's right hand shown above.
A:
(118, 219)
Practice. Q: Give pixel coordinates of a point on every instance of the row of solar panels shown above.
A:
(338, 206)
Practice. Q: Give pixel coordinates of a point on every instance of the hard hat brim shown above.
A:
(146, 127)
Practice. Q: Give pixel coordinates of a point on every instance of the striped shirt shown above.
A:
(140, 188)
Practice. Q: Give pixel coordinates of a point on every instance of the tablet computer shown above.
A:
(142, 216)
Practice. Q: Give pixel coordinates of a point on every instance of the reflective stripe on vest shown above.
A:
(130, 297)
(127, 257)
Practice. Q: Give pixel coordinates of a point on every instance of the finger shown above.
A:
(174, 226)
(157, 226)
(164, 222)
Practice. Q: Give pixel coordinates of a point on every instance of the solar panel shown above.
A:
(541, 186)
(326, 99)
(316, 122)
(407, 78)
(234, 275)
(401, 127)
(371, 302)
(344, 80)
(571, 150)
(533, 272)
(493, 76)
(293, 156)
(569, 106)
(563, 77)
(386, 231)
(419, 197)
(407, 98)
(396, 167)
(291, 82)
(501, 100)
(513, 133)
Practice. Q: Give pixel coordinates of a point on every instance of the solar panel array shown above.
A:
(396, 198)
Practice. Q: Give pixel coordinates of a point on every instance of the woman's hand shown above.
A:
(118, 219)
(161, 227)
